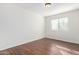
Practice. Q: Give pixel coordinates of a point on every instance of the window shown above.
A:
(60, 24)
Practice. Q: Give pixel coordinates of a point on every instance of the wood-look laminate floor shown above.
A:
(44, 46)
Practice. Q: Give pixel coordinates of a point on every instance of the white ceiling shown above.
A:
(55, 8)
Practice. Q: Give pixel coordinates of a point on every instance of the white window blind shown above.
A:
(60, 24)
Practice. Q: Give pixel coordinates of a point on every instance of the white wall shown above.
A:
(72, 35)
(18, 26)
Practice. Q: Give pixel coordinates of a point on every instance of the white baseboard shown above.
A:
(61, 39)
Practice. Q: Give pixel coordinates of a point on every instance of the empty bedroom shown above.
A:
(39, 28)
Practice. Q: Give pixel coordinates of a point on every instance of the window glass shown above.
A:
(60, 24)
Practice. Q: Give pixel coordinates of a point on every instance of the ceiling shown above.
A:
(55, 8)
